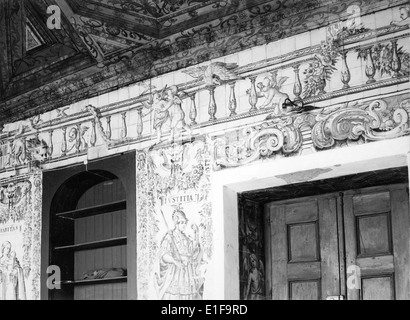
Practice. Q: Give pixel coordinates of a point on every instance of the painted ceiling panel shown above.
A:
(137, 38)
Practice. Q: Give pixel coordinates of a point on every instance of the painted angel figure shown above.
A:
(167, 108)
(215, 73)
(270, 89)
(177, 114)
(255, 283)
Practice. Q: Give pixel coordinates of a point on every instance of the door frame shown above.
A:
(223, 273)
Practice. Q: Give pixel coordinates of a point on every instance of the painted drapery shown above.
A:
(174, 222)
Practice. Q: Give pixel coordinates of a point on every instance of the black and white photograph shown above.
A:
(233, 150)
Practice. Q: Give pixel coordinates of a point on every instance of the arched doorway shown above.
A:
(89, 230)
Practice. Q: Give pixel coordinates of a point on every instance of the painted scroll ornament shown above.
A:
(279, 135)
(285, 135)
(376, 122)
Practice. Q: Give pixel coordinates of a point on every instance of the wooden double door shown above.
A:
(349, 245)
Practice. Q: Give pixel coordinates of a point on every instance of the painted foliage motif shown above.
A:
(20, 227)
(174, 221)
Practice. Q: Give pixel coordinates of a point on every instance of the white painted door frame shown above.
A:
(223, 272)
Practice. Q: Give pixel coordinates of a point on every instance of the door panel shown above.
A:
(304, 290)
(377, 241)
(304, 249)
(374, 234)
(378, 288)
(303, 242)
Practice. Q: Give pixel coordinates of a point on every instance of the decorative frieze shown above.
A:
(312, 69)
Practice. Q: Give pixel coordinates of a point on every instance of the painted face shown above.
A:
(404, 14)
(182, 224)
(253, 261)
(43, 153)
(216, 80)
(40, 153)
(266, 84)
(7, 249)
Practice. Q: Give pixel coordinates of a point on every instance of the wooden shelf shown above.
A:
(92, 211)
(94, 281)
(95, 244)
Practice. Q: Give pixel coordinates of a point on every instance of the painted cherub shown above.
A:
(177, 113)
(404, 16)
(270, 89)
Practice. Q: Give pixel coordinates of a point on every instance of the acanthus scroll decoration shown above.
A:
(374, 121)
(377, 121)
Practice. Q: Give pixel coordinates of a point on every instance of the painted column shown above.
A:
(51, 146)
(253, 96)
(232, 100)
(108, 127)
(396, 63)
(370, 68)
(64, 142)
(93, 138)
(345, 73)
(212, 104)
(193, 110)
(124, 131)
(139, 123)
(297, 89)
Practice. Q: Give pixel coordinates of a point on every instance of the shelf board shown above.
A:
(92, 211)
(94, 281)
(95, 244)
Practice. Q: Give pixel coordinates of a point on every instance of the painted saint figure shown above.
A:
(12, 285)
(180, 259)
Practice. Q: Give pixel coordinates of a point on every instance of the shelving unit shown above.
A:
(92, 211)
(95, 244)
(94, 281)
(91, 237)
(89, 224)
